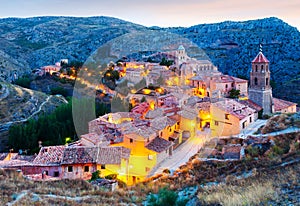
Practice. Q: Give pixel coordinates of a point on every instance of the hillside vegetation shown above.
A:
(33, 42)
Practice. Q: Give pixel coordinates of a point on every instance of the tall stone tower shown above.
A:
(181, 55)
(260, 90)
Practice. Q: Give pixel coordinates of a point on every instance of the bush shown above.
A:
(166, 197)
(277, 150)
(59, 90)
(252, 151)
(111, 176)
(23, 82)
(95, 175)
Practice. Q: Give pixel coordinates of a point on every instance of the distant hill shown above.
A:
(33, 42)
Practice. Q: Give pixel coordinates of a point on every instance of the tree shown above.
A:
(23, 82)
(143, 99)
(166, 197)
(59, 90)
(95, 175)
(234, 94)
(165, 62)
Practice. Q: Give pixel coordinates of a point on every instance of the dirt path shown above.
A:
(7, 124)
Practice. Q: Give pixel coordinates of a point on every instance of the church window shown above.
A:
(262, 68)
(256, 68)
(255, 81)
(267, 81)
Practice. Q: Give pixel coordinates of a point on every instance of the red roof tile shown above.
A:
(280, 104)
(50, 155)
(251, 104)
(260, 58)
(158, 145)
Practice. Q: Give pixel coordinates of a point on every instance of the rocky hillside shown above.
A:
(232, 45)
(33, 42)
(18, 105)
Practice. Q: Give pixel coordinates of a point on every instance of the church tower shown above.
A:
(181, 55)
(260, 90)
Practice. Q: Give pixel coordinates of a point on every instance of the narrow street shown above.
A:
(182, 153)
(252, 128)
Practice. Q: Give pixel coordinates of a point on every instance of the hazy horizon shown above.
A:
(157, 13)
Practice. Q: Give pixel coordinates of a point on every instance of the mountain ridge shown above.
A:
(27, 43)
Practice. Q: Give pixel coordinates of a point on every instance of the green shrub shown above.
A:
(166, 197)
(23, 82)
(111, 176)
(96, 175)
(59, 90)
(252, 151)
(277, 150)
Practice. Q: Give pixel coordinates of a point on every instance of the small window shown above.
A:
(262, 68)
(267, 81)
(70, 168)
(226, 86)
(232, 84)
(56, 174)
(86, 168)
(131, 140)
(227, 116)
(256, 67)
(216, 123)
(102, 167)
(255, 81)
(46, 172)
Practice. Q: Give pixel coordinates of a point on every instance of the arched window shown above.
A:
(226, 86)
(267, 81)
(262, 68)
(256, 67)
(255, 81)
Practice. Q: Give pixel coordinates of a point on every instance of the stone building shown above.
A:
(260, 90)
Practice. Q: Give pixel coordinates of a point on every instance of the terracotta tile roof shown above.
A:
(159, 123)
(196, 78)
(188, 113)
(260, 58)
(204, 106)
(112, 155)
(13, 163)
(141, 108)
(151, 114)
(280, 104)
(251, 104)
(93, 138)
(234, 108)
(80, 155)
(229, 79)
(143, 131)
(50, 155)
(171, 121)
(159, 145)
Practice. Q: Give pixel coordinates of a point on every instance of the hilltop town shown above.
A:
(181, 103)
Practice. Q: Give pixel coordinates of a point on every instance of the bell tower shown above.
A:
(260, 90)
